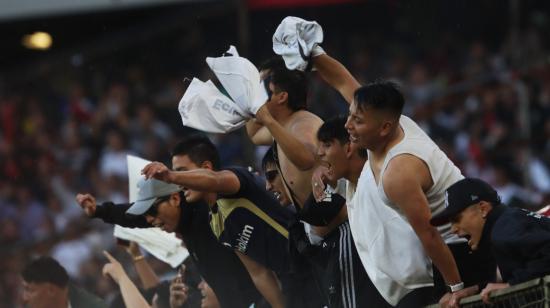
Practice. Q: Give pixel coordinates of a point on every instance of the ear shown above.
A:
(176, 198)
(281, 97)
(386, 128)
(207, 165)
(485, 207)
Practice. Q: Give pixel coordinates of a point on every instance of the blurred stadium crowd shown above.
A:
(486, 104)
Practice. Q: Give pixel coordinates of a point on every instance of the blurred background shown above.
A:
(83, 83)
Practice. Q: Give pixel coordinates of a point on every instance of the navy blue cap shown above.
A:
(461, 195)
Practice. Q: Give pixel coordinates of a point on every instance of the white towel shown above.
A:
(204, 107)
(241, 79)
(164, 246)
(296, 40)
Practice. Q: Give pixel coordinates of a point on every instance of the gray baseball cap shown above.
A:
(148, 192)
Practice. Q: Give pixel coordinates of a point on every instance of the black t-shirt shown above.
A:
(219, 267)
(252, 222)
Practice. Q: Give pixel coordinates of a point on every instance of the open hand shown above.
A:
(157, 171)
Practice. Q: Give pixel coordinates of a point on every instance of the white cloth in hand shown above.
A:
(204, 107)
(164, 246)
(295, 39)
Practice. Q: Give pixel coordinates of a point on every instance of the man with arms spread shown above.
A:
(410, 172)
(519, 239)
(244, 216)
(220, 267)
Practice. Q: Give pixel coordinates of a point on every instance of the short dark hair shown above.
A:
(275, 62)
(45, 269)
(335, 129)
(380, 95)
(294, 83)
(268, 159)
(199, 149)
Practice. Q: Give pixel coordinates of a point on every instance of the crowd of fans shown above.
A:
(488, 108)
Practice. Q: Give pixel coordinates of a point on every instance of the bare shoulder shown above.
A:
(405, 170)
(305, 120)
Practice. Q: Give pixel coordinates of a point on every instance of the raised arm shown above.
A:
(110, 213)
(265, 281)
(336, 75)
(148, 277)
(299, 142)
(404, 180)
(130, 293)
(202, 179)
(258, 133)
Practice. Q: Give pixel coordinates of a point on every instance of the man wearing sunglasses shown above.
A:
(244, 216)
(163, 205)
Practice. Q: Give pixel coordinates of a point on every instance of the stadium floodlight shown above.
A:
(37, 40)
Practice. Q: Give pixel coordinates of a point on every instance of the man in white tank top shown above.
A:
(407, 169)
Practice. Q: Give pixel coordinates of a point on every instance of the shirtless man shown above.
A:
(285, 120)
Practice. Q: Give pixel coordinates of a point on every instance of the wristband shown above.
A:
(455, 287)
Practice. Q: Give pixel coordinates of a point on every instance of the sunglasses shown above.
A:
(153, 210)
(271, 175)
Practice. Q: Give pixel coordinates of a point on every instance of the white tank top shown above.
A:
(442, 170)
(388, 247)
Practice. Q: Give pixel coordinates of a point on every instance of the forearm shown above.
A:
(131, 295)
(198, 179)
(148, 277)
(265, 281)
(116, 214)
(258, 133)
(441, 255)
(268, 285)
(295, 150)
(336, 75)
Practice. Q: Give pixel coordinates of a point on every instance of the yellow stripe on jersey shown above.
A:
(226, 206)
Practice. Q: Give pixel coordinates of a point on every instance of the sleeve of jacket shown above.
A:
(533, 243)
(116, 214)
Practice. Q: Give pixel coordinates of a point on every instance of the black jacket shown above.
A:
(520, 241)
(219, 266)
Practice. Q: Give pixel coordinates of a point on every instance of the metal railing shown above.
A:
(530, 294)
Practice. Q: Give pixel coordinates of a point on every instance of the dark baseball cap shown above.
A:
(461, 195)
(148, 191)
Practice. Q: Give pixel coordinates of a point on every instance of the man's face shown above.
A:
(184, 163)
(364, 127)
(469, 224)
(165, 213)
(38, 295)
(334, 154)
(274, 184)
